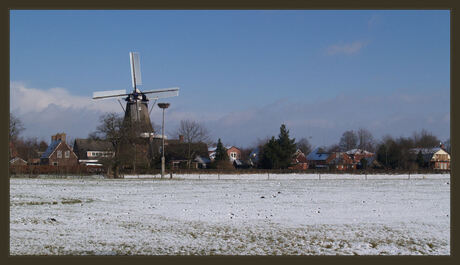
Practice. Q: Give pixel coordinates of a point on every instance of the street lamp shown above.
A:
(163, 106)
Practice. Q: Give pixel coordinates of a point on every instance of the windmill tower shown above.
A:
(137, 101)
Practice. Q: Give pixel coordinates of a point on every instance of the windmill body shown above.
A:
(137, 110)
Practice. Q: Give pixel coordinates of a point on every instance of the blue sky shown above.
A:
(241, 73)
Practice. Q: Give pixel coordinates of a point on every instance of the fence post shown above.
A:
(268, 175)
(319, 176)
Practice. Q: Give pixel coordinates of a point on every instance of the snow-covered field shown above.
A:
(282, 215)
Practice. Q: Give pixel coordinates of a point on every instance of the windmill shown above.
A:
(137, 101)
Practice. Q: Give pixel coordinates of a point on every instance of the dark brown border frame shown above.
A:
(8, 5)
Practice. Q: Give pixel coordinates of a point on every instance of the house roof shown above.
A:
(12, 161)
(426, 151)
(179, 151)
(358, 151)
(50, 149)
(93, 145)
(212, 149)
(81, 146)
(317, 155)
(202, 160)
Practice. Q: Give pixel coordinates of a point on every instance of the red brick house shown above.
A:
(17, 161)
(358, 154)
(340, 161)
(233, 153)
(299, 161)
(59, 152)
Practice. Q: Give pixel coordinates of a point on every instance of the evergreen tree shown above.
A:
(269, 155)
(363, 162)
(286, 149)
(420, 161)
(221, 161)
(221, 152)
(278, 153)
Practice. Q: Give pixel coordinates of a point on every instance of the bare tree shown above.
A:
(16, 127)
(425, 139)
(348, 141)
(193, 132)
(122, 135)
(304, 145)
(332, 148)
(365, 140)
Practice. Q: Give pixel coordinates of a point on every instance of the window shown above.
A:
(67, 154)
(233, 155)
(55, 163)
(59, 154)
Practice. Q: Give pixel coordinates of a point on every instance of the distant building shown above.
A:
(299, 161)
(17, 161)
(318, 158)
(176, 152)
(90, 152)
(340, 161)
(358, 154)
(59, 152)
(435, 157)
(233, 153)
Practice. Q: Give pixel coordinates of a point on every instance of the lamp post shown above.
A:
(163, 106)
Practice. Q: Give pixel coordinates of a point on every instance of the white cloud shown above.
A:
(26, 99)
(346, 48)
(46, 112)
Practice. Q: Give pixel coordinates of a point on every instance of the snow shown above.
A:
(232, 215)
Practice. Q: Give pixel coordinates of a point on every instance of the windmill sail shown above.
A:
(109, 94)
(162, 93)
(135, 69)
(137, 101)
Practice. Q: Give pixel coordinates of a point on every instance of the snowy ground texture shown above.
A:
(232, 215)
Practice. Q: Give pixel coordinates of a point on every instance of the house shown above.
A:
(358, 154)
(435, 157)
(340, 161)
(90, 151)
(299, 161)
(17, 161)
(59, 152)
(233, 153)
(202, 162)
(318, 158)
(176, 152)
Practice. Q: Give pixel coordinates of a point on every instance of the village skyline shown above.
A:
(319, 72)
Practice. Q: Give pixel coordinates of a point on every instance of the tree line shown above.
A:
(273, 153)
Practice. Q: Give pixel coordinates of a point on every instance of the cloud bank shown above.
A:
(46, 112)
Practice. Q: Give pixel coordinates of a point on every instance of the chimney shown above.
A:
(181, 138)
(58, 136)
